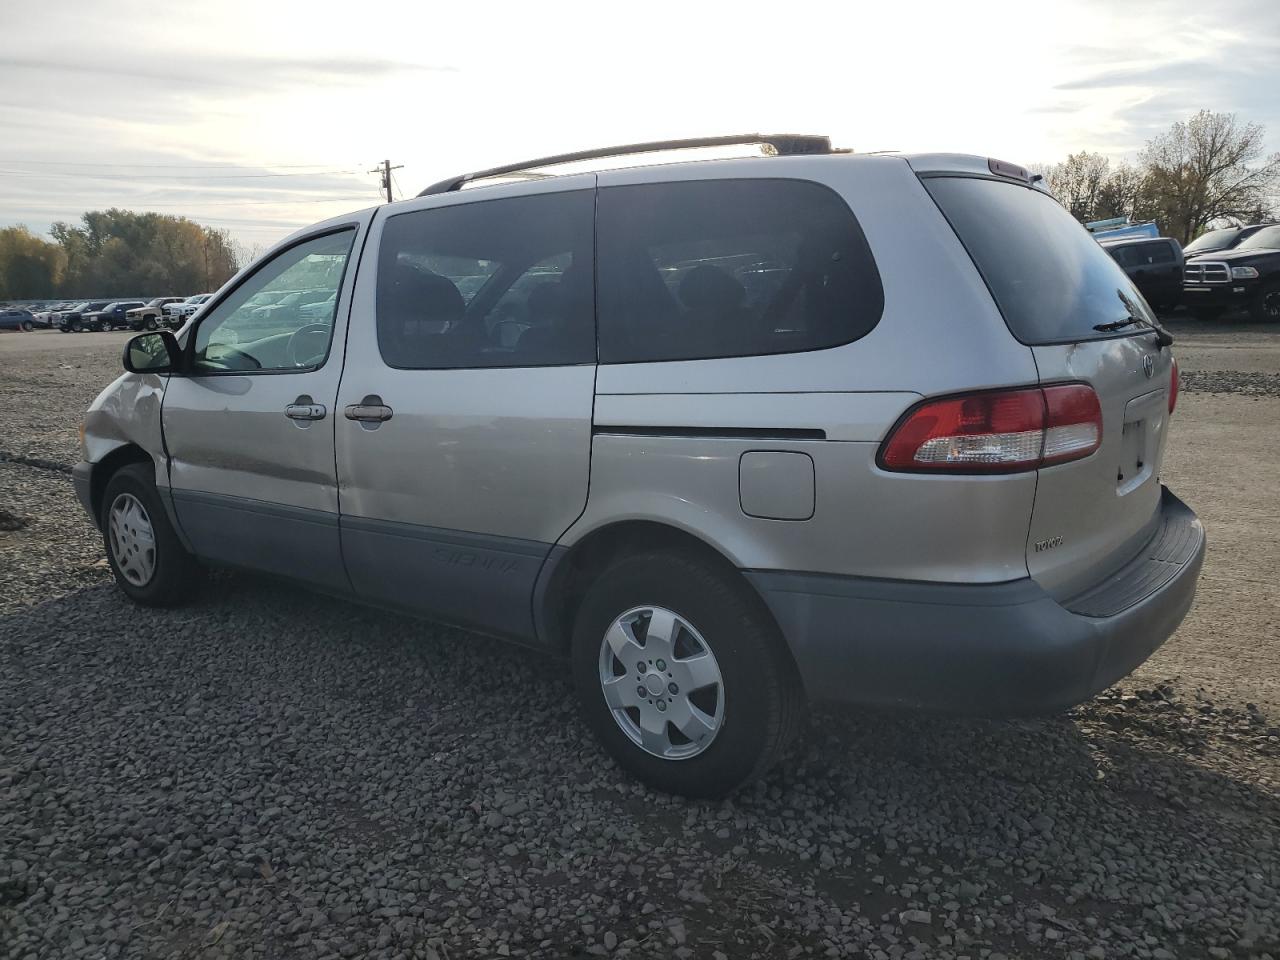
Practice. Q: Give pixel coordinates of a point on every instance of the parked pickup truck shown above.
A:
(1245, 277)
(148, 316)
(175, 314)
(1154, 266)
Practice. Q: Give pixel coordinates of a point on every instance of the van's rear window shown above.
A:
(1049, 277)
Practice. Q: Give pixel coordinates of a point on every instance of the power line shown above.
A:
(54, 174)
(238, 203)
(167, 166)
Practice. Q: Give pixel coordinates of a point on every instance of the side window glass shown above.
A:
(489, 283)
(281, 317)
(730, 268)
(1159, 253)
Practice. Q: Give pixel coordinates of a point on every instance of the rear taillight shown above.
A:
(1173, 386)
(997, 431)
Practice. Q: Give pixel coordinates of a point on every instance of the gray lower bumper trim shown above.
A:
(997, 649)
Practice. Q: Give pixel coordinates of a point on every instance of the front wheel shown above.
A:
(149, 562)
(682, 674)
(150, 323)
(1266, 305)
(27, 326)
(77, 326)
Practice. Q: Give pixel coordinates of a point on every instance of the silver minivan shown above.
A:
(725, 437)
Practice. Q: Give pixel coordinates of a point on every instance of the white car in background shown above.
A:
(176, 313)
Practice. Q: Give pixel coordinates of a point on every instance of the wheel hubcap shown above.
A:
(661, 683)
(133, 542)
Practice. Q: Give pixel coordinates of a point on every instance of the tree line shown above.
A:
(113, 253)
(1211, 169)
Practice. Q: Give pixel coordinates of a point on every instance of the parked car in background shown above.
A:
(48, 315)
(16, 318)
(72, 321)
(110, 317)
(176, 313)
(1154, 266)
(706, 505)
(148, 316)
(1247, 276)
(1226, 238)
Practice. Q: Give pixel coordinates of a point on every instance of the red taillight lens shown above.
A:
(998, 431)
(1173, 387)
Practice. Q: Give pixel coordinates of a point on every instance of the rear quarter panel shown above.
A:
(939, 333)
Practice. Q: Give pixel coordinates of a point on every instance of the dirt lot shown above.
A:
(269, 773)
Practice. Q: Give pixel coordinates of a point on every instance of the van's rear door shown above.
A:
(1055, 286)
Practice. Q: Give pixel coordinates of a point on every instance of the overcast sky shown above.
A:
(263, 116)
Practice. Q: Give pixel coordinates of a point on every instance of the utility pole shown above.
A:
(385, 169)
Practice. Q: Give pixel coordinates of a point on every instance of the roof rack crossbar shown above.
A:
(783, 144)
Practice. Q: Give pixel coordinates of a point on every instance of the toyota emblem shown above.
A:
(1148, 366)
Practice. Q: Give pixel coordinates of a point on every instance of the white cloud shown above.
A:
(443, 89)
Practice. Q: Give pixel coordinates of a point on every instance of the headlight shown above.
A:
(1244, 273)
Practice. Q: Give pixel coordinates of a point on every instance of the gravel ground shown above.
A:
(270, 773)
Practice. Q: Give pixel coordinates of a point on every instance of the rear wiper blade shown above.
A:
(1163, 337)
(1119, 324)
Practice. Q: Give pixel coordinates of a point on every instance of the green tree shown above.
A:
(1210, 168)
(30, 268)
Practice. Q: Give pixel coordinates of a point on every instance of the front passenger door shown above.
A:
(249, 426)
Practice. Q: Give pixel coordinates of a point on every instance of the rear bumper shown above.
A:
(1002, 649)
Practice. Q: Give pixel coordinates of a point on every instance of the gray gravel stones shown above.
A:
(272, 773)
(1231, 381)
(268, 773)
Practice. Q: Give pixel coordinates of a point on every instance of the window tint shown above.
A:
(1267, 238)
(730, 268)
(1157, 252)
(1213, 240)
(493, 283)
(1125, 256)
(281, 317)
(1051, 280)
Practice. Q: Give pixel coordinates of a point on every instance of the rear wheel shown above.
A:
(683, 676)
(149, 562)
(27, 325)
(1266, 305)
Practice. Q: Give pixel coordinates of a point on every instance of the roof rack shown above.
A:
(782, 144)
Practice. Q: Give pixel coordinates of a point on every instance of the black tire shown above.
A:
(1266, 305)
(176, 573)
(27, 326)
(763, 704)
(77, 326)
(149, 323)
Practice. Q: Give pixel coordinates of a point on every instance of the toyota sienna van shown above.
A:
(724, 437)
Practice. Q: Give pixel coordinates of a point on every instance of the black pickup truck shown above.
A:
(1246, 276)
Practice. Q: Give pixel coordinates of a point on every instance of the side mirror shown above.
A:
(152, 353)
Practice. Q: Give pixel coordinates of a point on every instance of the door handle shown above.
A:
(304, 408)
(369, 410)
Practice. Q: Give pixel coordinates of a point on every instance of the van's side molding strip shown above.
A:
(728, 433)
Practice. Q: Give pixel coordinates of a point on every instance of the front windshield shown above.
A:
(1266, 239)
(111, 306)
(1213, 240)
